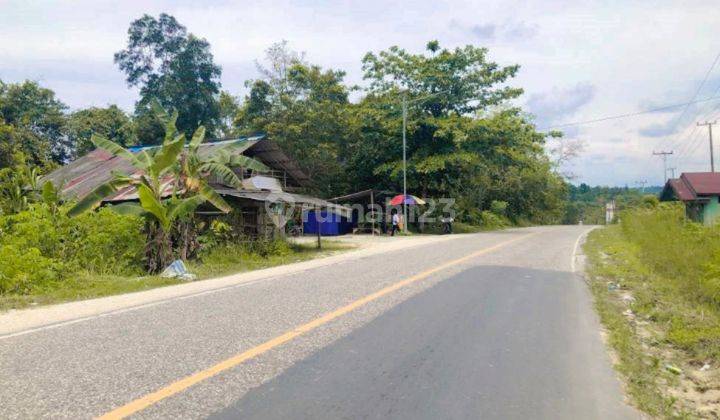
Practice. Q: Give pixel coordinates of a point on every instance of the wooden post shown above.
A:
(372, 210)
(317, 219)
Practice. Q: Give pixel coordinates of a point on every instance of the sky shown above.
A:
(580, 60)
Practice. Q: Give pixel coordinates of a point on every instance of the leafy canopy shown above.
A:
(110, 122)
(172, 66)
(37, 124)
(467, 79)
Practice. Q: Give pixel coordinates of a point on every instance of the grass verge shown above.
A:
(219, 262)
(664, 370)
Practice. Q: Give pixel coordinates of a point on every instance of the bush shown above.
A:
(499, 208)
(108, 243)
(650, 201)
(268, 247)
(42, 245)
(24, 269)
(490, 220)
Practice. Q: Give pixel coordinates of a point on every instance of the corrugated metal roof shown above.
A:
(692, 186)
(273, 196)
(702, 183)
(83, 175)
(682, 192)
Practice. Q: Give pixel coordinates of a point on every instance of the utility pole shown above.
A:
(709, 125)
(642, 185)
(664, 158)
(404, 112)
(672, 171)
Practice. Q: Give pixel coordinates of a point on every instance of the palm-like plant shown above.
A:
(18, 188)
(192, 174)
(170, 181)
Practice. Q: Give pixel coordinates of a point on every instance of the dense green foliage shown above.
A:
(111, 123)
(32, 125)
(587, 204)
(463, 141)
(41, 246)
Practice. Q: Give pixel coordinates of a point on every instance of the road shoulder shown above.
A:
(23, 321)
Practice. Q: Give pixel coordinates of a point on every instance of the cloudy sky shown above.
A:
(580, 59)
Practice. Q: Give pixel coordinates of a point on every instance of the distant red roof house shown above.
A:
(699, 191)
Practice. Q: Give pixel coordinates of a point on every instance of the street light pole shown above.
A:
(404, 111)
(404, 129)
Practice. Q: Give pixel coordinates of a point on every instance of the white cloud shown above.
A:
(553, 106)
(600, 58)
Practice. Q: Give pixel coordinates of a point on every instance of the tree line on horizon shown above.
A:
(466, 139)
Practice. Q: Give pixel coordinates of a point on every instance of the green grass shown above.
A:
(219, 262)
(667, 267)
(236, 259)
(611, 261)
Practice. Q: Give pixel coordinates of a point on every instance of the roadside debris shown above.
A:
(629, 314)
(627, 298)
(177, 269)
(705, 367)
(673, 369)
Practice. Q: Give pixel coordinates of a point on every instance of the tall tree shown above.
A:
(460, 80)
(111, 123)
(305, 109)
(229, 107)
(444, 88)
(38, 123)
(176, 68)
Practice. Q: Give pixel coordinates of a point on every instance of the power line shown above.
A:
(702, 84)
(664, 158)
(694, 129)
(630, 114)
(707, 116)
(692, 140)
(692, 143)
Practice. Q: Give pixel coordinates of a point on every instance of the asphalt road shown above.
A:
(493, 325)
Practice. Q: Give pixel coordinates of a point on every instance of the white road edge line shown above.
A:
(573, 268)
(134, 308)
(172, 299)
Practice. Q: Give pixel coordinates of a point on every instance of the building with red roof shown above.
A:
(699, 191)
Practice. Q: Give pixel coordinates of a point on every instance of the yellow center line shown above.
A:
(185, 383)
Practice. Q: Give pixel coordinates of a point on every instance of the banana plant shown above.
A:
(174, 166)
(153, 172)
(194, 170)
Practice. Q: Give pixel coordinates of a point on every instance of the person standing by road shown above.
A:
(395, 219)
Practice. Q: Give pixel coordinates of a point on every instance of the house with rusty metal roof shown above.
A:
(257, 205)
(700, 191)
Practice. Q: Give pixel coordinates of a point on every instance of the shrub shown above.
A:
(650, 201)
(108, 243)
(25, 269)
(41, 245)
(499, 208)
(268, 247)
(490, 220)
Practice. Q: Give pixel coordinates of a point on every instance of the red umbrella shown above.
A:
(410, 200)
